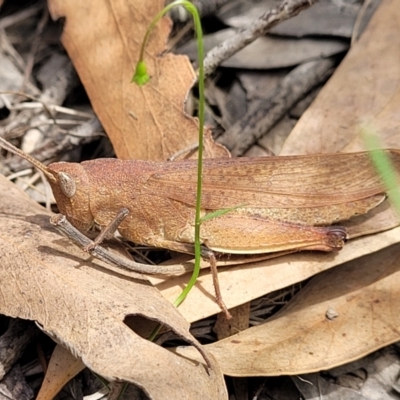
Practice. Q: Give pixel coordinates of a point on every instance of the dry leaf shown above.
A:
(239, 322)
(380, 218)
(301, 338)
(103, 39)
(365, 89)
(63, 366)
(240, 284)
(83, 305)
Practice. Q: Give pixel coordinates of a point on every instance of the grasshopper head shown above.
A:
(70, 185)
(71, 189)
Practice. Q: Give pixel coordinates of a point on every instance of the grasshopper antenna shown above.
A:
(12, 149)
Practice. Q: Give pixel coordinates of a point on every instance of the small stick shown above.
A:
(259, 27)
(188, 150)
(65, 227)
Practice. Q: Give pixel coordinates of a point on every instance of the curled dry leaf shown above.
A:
(364, 90)
(365, 295)
(148, 122)
(83, 305)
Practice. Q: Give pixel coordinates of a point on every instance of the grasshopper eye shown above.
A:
(67, 184)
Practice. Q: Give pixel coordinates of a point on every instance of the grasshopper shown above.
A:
(288, 203)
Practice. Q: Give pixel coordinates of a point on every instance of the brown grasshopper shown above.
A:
(288, 203)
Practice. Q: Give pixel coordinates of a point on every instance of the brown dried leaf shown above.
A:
(365, 89)
(103, 39)
(377, 220)
(364, 295)
(63, 366)
(83, 305)
(243, 283)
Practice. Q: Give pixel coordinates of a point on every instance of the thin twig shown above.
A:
(244, 36)
(33, 105)
(35, 46)
(20, 16)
